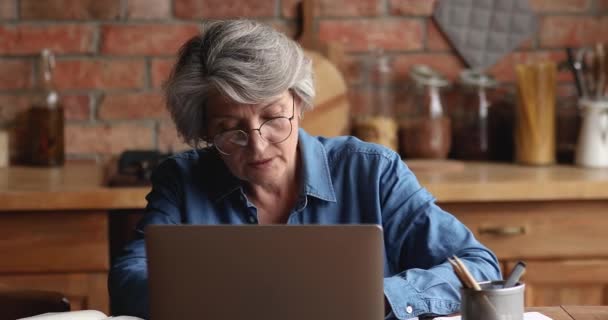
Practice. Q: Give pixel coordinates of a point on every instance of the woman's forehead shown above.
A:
(219, 105)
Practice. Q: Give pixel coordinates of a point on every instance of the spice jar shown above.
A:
(46, 120)
(425, 131)
(378, 126)
(471, 118)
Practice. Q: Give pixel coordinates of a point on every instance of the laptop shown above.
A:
(269, 272)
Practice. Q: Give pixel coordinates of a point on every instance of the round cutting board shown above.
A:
(331, 113)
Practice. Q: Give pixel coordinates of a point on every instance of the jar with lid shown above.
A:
(424, 127)
(378, 125)
(471, 122)
(482, 120)
(46, 120)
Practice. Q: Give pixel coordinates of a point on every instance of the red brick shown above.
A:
(107, 139)
(560, 5)
(504, 70)
(76, 107)
(436, 39)
(563, 31)
(31, 39)
(362, 35)
(148, 9)
(70, 9)
(132, 106)
(447, 64)
(168, 140)
(15, 74)
(148, 39)
(336, 8)
(161, 68)
(216, 9)
(99, 74)
(8, 9)
(412, 7)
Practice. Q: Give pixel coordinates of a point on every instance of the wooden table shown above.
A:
(574, 312)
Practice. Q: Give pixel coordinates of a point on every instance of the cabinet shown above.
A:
(59, 251)
(564, 244)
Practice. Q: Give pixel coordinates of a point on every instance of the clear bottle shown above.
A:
(425, 133)
(379, 126)
(46, 120)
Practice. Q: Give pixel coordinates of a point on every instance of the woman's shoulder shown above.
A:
(350, 146)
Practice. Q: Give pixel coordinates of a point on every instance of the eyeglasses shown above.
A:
(275, 131)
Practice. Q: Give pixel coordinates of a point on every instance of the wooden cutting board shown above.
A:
(331, 113)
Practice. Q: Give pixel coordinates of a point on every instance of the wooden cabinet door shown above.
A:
(565, 282)
(84, 290)
(67, 252)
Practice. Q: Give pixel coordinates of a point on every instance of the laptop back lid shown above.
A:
(271, 272)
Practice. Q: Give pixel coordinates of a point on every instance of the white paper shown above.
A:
(78, 315)
(527, 316)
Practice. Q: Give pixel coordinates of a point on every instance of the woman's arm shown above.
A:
(128, 279)
(419, 238)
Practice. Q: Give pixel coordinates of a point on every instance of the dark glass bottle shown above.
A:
(46, 120)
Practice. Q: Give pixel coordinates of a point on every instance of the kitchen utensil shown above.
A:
(516, 273)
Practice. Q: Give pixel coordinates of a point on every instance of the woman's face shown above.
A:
(256, 159)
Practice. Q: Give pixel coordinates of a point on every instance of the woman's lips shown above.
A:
(260, 163)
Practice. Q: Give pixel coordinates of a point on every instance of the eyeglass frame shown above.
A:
(246, 132)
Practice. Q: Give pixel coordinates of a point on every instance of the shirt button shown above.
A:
(252, 219)
(409, 309)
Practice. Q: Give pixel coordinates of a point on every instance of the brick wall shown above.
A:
(113, 55)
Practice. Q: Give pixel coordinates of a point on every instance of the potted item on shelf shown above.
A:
(425, 129)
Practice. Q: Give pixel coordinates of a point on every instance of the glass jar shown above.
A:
(471, 121)
(482, 119)
(424, 128)
(379, 125)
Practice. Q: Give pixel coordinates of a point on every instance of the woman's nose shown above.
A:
(256, 142)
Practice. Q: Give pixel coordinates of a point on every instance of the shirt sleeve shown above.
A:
(128, 279)
(419, 238)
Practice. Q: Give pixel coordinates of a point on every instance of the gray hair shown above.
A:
(246, 61)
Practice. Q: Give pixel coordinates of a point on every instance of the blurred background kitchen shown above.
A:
(499, 107)
(112, 57)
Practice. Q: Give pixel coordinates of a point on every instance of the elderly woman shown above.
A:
(241, 88)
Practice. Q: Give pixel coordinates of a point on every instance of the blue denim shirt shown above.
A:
(344, 180)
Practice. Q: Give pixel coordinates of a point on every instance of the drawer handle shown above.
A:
(502, 231)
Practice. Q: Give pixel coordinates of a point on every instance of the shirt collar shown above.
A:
(316, 178)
